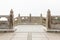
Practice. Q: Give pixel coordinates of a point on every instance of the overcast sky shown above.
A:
(25, 7)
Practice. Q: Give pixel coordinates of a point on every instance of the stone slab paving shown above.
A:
(30, 34)
(30, 28)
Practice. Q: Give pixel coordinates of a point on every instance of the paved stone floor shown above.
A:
(30, 32)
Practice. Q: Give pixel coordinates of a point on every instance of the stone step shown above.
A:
(7, 30)
(53, 30)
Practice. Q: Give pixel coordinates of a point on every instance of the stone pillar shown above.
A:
(30, 18)
(11, 19)
(48, 19)
(19, 20)
(41, 19)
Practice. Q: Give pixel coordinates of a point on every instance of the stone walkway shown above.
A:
(30, 32)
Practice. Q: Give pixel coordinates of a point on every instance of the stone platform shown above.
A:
(29, 32)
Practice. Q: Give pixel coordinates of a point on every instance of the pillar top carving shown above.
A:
(11, 11)
(48, 11)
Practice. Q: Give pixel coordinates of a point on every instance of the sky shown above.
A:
(25, 7)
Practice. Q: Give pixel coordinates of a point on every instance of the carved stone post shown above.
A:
(48, 20)
(41, 19)
(11, 19)
(19, 20)
(30, 18)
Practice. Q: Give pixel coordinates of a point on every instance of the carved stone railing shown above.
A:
(7, 25)
(15, 22)
(52, 22)
(49, 22)
(29, 20)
